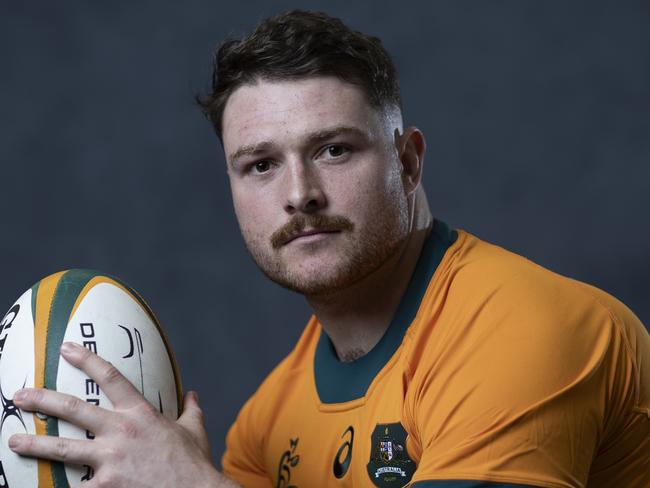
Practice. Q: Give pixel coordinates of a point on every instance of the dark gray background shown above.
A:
(536, 113)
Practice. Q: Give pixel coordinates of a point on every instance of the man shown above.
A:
(432, 359)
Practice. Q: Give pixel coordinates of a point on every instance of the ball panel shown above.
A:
(65, 296)
(44, 297)
(49, 292)
(163, 335)
(109, 321)
(105, 278)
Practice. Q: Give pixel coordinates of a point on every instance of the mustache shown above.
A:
(324, 223)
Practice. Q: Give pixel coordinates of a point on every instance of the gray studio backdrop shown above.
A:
(536, 114)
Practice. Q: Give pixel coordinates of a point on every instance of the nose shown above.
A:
(304, 190)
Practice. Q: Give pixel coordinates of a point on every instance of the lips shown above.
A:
(307, 233)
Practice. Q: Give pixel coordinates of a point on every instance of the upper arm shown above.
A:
(242, 461)
(523, 398)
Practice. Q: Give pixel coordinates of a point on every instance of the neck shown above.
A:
(356, 318)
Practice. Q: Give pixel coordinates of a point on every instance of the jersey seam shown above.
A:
(616, 321)
(422, 445)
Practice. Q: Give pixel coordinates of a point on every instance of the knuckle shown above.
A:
(27, 443)
(147, 410)
(34, 396)
(127, 429)
(109, 453)
(106, 479)
(70, 405)
(84, 352)
(111, 374)
(113, 454)
(62, 449)
(37, 395)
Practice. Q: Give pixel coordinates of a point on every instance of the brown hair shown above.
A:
(300, 44)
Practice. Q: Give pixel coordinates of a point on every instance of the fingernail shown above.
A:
(14, 442)
(20, 395)
(69, 347)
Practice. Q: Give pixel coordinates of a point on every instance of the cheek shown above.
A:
(250, 215)
(372, 193)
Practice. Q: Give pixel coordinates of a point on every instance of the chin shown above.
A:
(321, 279)
(329, 270)
(310, 287)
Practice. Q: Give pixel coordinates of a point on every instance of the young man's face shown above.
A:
(316, 181)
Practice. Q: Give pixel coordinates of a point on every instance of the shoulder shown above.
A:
(513, 329)
(508, 328)
(485, 293)
(510, 355)
(519, 296)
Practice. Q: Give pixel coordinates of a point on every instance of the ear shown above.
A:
(411, 147)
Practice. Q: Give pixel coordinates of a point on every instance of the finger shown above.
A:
(70, 451)
(63, 406)
(119, 390)
(192, 417)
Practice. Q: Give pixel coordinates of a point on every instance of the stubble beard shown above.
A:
(359, 256)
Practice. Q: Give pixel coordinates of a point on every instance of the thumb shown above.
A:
(192, 416)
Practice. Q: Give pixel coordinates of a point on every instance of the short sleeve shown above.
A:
(242, 461)
(529, 381)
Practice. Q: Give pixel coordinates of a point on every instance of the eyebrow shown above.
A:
(313, 138)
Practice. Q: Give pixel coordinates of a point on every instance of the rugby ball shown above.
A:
(102, 314)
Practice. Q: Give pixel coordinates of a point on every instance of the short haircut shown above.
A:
(300, 44)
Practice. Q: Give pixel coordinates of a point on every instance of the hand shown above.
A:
(134, 445)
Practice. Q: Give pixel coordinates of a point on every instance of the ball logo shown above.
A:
(137, 346)
(3, 480)
(87, 331)
(10, 410)
(8, 407)
(6, 324)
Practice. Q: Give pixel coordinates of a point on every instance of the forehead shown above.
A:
(285, 111)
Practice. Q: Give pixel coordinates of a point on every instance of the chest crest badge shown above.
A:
(390, 465)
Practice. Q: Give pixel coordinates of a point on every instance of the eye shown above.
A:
(261, 166)
(335, 150)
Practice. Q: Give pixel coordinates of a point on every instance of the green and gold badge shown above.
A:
(390, 464)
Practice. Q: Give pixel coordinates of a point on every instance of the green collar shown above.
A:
(338, 382)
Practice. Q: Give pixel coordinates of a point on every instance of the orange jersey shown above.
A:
(493, 369)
